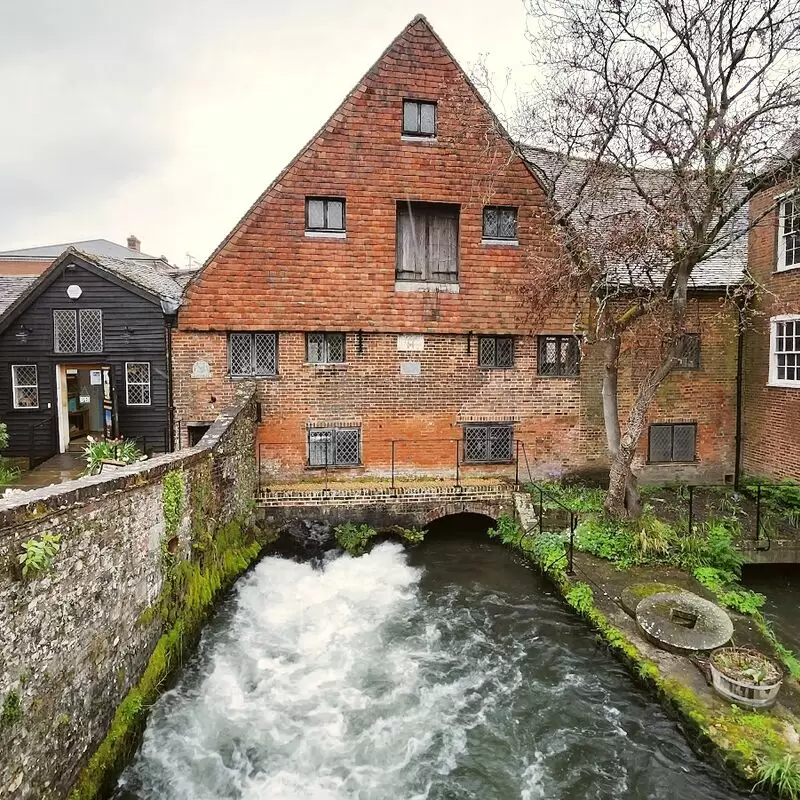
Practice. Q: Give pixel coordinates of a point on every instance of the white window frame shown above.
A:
(149, 384)
(773, 354)
(15, 386)
(782, 200)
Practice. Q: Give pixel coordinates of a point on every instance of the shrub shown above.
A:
(38, 554)
(354, 538)
(99, 450)
(781, 776)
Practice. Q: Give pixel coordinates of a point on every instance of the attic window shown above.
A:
(419, 118)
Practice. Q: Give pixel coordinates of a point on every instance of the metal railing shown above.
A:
(49, 423)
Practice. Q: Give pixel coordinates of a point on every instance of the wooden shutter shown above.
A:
(444, 247)
(410, 245)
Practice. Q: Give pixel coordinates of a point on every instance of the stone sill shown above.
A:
(795, 268)
(783, 384)
(326, 234)
(500, 242)
(426, 286)
(407, 137)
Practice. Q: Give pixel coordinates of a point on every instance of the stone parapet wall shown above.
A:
(75, 638)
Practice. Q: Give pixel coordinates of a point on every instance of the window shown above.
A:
(137, 383)
(252, 355)
(325, 348)
(325, 214)
(672, 442)
(500, 222)
(784, 361)
(419, 118)
(487, 444)
(25, 385)
(334, 447)
(691, 352)
(496, 351)
(789, 234)
(559, 356)
(78, 331)
(427, 242)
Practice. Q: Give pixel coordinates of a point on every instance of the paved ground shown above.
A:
(58, 469)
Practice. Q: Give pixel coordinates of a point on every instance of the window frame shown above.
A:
(149, 384)
(541, 340)
(488, 427)
(672, 426)
(694, 365)
(773, 379)
(325, 200)
(77, 315)
(326, 335)
(427, 211)
(496, 338)
(419, 133)
(334, 431)
(780, 260)
(505, 239)
(254, 374)
(15, 386)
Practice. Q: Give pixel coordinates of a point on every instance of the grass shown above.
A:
(781, 776)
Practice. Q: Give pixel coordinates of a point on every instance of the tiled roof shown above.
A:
(611, 195)
(788, 152)
(11, 287)
(100, 247)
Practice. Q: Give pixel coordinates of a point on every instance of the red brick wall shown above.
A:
(771, 434)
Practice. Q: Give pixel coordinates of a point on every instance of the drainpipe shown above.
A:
(737, 469)
(169, 307)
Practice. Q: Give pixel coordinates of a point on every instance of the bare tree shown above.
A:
(655, 119)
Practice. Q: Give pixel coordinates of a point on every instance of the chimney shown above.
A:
(134, 244)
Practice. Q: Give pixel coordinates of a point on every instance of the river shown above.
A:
(780, 584)
(448, 673)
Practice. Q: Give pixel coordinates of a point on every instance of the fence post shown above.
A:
(758, 515)
(516, 471)
(392, 464)
(541, 510)
(691, 509)
(570, 554)
(326, 465)
(458, 473)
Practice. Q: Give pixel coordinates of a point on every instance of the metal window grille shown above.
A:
(690, 358)
(325, 348)
(499, 222)
(334, 447)
(91, 330)
(488, 443)
(787, 351)
(559, 356)
(790, 233)
(265, 353)
(674, 442)
(252, 354)
(496, 351)
(65, 331)
(137, 383)
(419, 118)
(240, 354)
(325, 214)
(25, 385)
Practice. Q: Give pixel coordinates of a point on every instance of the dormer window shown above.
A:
(419, 118)
(325, 215)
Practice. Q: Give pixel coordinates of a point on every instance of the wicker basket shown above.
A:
(742, 692)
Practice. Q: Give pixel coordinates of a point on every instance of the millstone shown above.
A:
(682, 622)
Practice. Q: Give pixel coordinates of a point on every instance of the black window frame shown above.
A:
(255, 373)
(497, 237)
(488, 427)
(327, 335)
(425, 213)
(671, 426)
(334, 431)
(325, 200)
(690, 360)
(493, 362)
(419, 133)
(560, 371)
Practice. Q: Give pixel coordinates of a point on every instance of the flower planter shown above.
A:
(745, 677)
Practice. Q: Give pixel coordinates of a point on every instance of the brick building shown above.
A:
(771, 441)
(373, 293)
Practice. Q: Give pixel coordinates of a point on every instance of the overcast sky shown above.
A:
(167, 118)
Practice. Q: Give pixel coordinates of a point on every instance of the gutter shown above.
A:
(737, 469)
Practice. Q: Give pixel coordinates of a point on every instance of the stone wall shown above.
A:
(74, 639)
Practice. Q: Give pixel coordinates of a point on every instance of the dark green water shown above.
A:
(781, 586)
(452, 673)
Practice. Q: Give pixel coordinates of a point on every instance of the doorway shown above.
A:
(85, 404)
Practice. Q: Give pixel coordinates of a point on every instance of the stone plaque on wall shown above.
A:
(411, 368)
(201, 369)
(410, 342)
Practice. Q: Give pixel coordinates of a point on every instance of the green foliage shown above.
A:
(581, 499)
(781, 776)
(606, 539)
(354, 538)
(11, 711)
(172, 500)
(99, 450)
(38, 554)
(508, 530)
(3, 436)
(549, 552)
(581, 598)
(8, 474)
(188, 596)
(410, 536)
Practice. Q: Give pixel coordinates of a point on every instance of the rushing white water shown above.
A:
(355, 680)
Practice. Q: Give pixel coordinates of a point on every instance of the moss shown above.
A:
(642, 590)
(188, 597)
(11, 711)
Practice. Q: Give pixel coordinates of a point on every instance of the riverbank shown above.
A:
(761, 748)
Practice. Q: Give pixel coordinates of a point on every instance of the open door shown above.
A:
(110, 416)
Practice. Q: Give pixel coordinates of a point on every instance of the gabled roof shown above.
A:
(100, 247)
(11, 287)
(610, 196)
(157, 282)
(787, 156)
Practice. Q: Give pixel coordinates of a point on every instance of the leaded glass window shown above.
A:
(78, 330)
(65, 331)
(559, 356)
(690, 357)
(496, 352)
(500, 222)
(91, 330)
(672, 442)
(25, 385)
(325, 348)
(490, 443)
(137, 383)
(334, 447)
(253, 355)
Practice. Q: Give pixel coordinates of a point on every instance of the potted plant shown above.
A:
(745, 676)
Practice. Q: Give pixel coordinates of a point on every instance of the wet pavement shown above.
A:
(58, 469)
